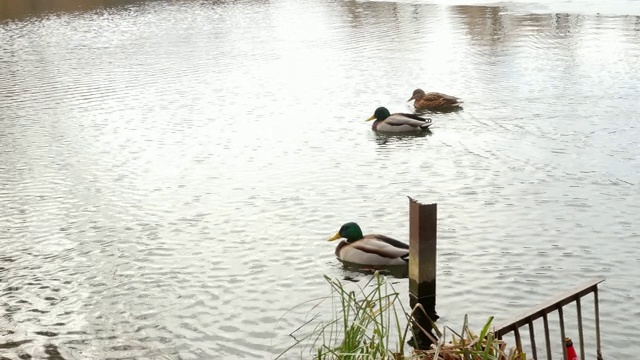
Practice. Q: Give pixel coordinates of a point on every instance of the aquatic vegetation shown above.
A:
(372, 323)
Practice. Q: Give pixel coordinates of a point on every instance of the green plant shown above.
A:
(366, 325)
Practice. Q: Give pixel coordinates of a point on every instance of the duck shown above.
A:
(369, 250)
(434, 101)
(398, 123)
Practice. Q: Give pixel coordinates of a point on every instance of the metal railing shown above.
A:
(543, 310)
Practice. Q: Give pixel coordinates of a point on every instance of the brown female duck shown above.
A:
(434, 101)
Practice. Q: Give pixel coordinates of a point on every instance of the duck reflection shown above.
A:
(353, 271)
(389, 139)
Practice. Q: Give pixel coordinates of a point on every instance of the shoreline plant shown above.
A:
(372, 323)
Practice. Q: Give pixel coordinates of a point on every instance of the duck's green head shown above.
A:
(350, 231)
(380, 114)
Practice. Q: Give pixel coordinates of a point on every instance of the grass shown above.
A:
(368, 324)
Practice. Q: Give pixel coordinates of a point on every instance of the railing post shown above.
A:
(422, 270)
(597, 310)
(556, 304)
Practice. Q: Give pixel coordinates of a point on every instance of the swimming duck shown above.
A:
(397, 123)
(434, 101)
(372, 249)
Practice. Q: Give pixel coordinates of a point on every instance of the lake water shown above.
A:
(170, 170)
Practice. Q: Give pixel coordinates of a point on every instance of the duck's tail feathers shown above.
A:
(428, 122)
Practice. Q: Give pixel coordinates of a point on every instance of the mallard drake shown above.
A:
(372, 249)
(434, 101)
(397, 123)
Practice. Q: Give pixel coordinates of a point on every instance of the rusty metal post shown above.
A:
(422, 269)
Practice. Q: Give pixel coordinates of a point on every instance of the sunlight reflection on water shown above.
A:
(171, 170)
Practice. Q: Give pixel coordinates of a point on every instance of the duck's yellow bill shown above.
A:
(335, 237)
(371, 118)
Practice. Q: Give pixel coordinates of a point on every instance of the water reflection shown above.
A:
(484, 24)
(391, 139)
(489, 26)
(447, 111)
(396, 271)
(19, 10)
(13, 344)
(166, 173)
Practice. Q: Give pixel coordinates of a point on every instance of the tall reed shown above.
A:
(372, 323)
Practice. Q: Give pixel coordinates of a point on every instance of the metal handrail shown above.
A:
(555, 304)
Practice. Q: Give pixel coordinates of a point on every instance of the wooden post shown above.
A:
(422, 269)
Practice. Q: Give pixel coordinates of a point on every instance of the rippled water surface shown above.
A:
(170, 170)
